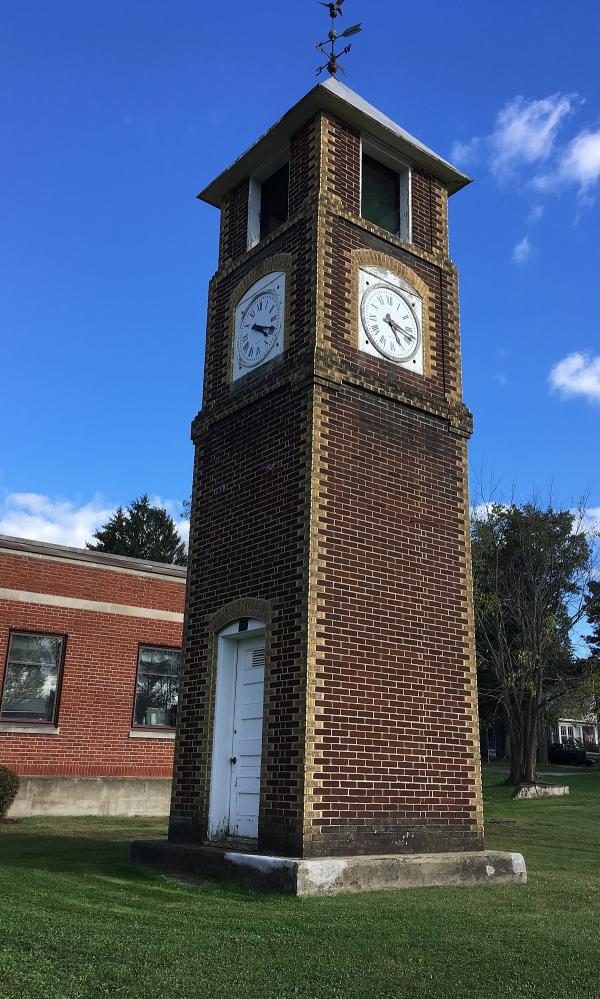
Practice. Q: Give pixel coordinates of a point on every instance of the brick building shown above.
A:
(328, 702)
(89, 670)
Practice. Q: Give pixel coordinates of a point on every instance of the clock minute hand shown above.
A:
(397, 329)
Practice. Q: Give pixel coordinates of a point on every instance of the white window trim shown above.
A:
(254, 196)
(152, 733)
(389, 159)
(43, 728)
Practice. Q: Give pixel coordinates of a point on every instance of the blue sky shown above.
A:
(115, 115)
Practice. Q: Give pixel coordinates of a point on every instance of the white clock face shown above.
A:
(390, 319)
(259, 324)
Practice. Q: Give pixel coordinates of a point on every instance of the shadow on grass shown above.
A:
(67, 854)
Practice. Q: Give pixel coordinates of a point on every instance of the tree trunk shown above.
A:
(529, 769)
(542, 751)
(516, 753)
(530, 744)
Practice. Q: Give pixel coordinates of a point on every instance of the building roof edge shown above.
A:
(26, 546)
(336, 98)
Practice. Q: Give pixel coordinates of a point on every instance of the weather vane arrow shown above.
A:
(332, 65)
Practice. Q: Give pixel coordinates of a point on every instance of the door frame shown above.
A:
(222, 735)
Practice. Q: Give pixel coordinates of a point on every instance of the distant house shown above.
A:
(583, 731)
(90, 647)
(579, 730)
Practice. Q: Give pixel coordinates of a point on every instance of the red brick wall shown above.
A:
(331, 486)
(248, 538)
(69, 579)
(342, 168)
(234, 224)
(396, 752)
(394, 725)
(98, 682)
(249, 521)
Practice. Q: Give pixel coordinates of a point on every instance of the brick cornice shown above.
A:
(331, 369)
(325, 367)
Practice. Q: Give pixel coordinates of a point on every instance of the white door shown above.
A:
(246, 744)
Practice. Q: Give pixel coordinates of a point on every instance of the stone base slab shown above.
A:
(331, 875)
(75, 796)
(531, 791)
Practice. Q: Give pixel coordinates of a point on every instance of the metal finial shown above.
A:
(332, 65)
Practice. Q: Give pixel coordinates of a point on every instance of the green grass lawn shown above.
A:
(77, 920)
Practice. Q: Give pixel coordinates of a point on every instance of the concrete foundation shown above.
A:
(541, 791)
(116, 796)
(331, 875)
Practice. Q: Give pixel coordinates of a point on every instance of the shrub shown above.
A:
(9, 785)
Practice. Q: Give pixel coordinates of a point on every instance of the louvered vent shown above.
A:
(258, 657)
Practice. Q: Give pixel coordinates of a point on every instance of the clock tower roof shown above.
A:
(341, 101)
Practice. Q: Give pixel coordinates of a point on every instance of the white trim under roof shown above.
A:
(93, 559)
(340, 100)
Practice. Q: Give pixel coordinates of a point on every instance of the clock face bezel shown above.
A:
(372, 278)
(386, 286)
(271, 285)
(273, 342)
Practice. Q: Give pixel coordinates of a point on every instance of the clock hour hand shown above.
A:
(395, 328)
(265, 330)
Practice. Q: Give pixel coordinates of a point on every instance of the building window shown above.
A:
(32, 677)
(268, 204)
(385, 196)
(157, 686)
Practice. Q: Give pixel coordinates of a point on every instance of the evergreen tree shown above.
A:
(141, 531)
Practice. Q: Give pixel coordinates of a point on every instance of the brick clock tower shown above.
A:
(327, 734)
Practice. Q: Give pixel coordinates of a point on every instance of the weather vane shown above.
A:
(332, 65)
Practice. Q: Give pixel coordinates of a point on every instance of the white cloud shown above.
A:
(527, 142)
(535, 214)
(591, 521)
(63, 522)
(577, 375)
(578, 164)
(466, 153)
(522, 251)
(41, 518)
(581, 161)
(183, 527)
(524, 133)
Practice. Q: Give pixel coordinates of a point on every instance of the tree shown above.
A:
(141, 531)
(531, 570)
(593, 616)
(591, 684)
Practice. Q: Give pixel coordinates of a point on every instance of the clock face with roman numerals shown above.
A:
(259, 324)
(390, 319)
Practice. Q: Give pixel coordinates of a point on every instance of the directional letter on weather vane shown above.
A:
(332, 65)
